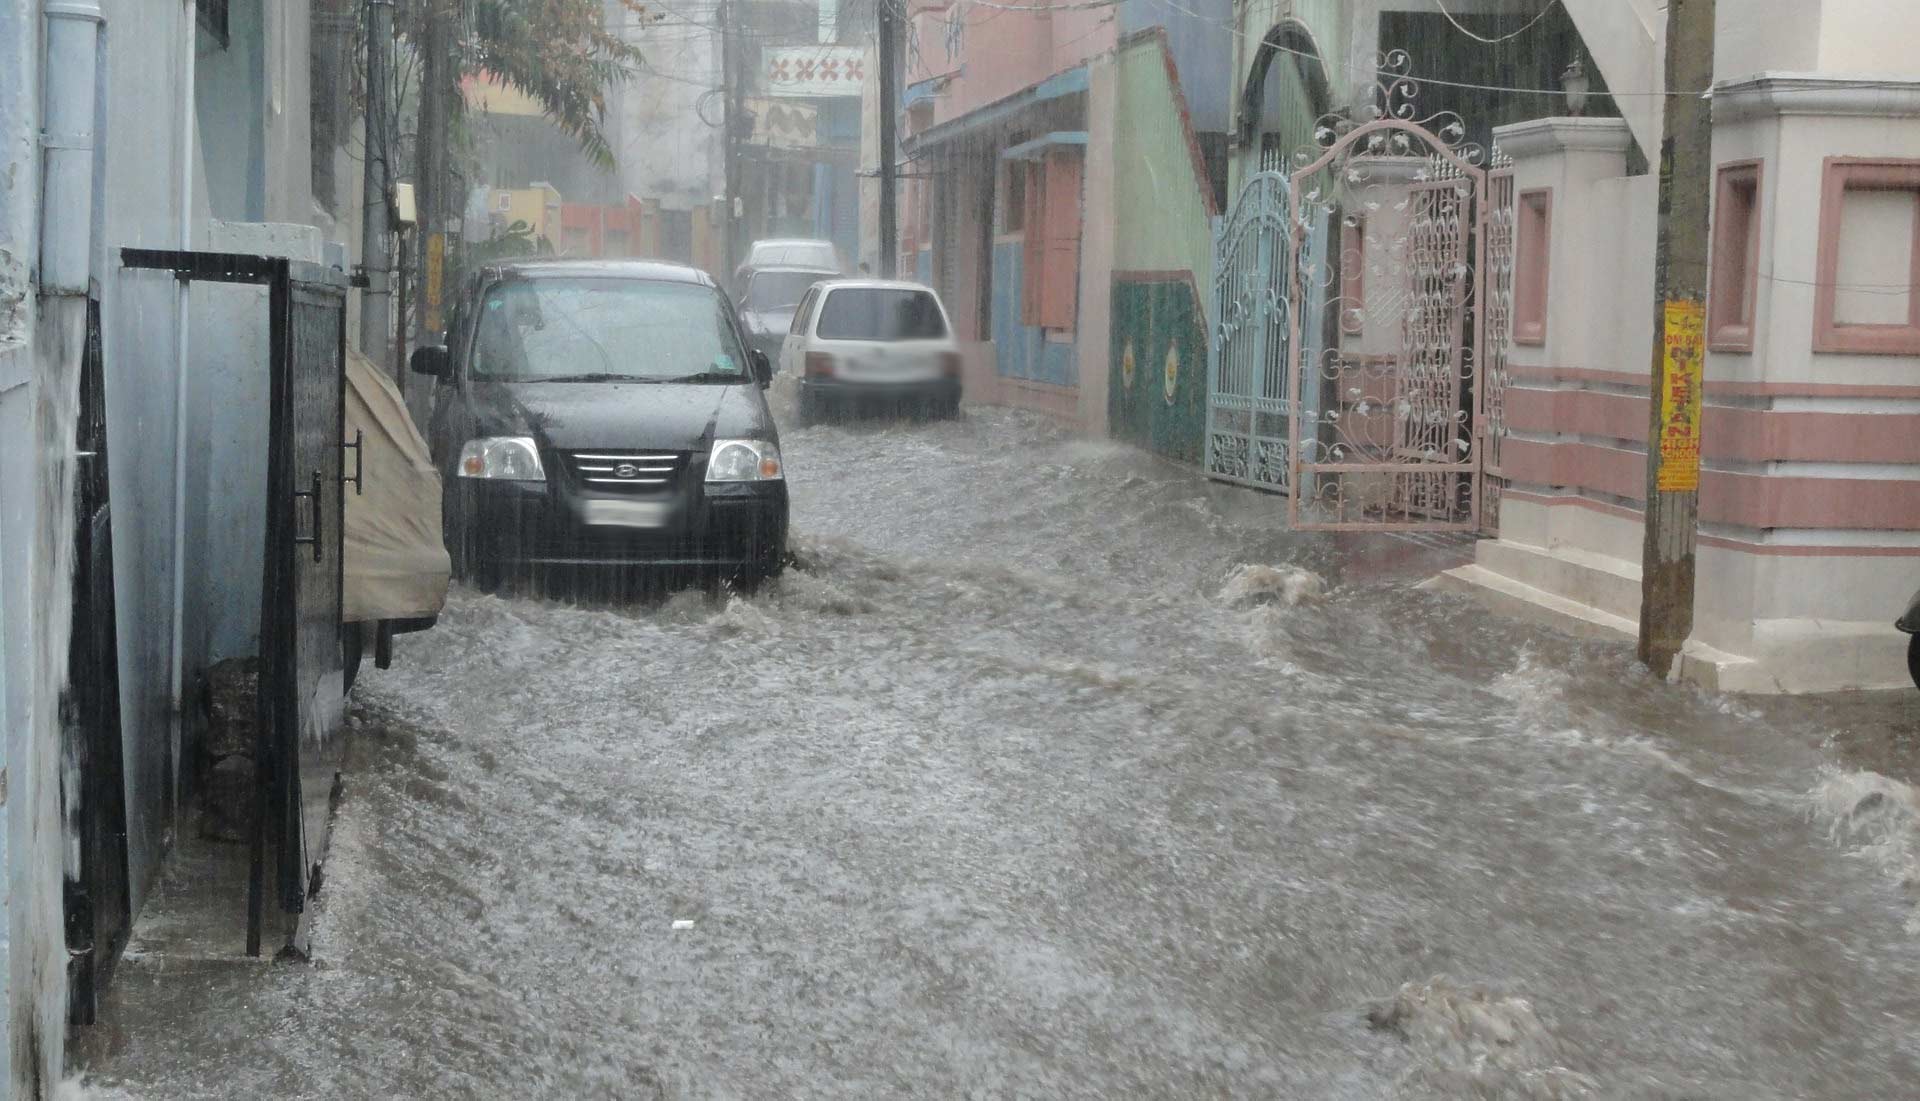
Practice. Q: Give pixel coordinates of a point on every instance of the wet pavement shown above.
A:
(1019, 785)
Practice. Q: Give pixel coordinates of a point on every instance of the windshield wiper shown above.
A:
(706, 376)
(601, 376)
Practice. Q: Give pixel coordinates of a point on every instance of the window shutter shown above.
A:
(1033, 246)
(1060, 283)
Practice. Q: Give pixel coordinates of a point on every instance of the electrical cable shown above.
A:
(1542, 14)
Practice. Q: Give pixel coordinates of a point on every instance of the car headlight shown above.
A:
(503, 458)
(744, 461)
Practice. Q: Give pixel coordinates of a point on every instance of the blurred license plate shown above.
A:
(627, 514)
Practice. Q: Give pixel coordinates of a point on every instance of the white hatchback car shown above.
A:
(857, 342)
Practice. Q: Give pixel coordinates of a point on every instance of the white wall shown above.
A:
(19, 180)
(148, 55)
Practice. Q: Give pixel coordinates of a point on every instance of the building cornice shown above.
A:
(1768, 94)
(1541, 137)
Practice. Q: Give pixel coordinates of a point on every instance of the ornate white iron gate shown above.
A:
(1362, 308)
(1391, 444)
(1496, 317)
(1249, 415)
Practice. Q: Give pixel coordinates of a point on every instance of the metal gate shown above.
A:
(93, 784)
(301, 694)
(1390, 445)
(1249, 412)
(301, 589)
(1496, 319)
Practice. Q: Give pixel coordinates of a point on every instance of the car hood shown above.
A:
(576, 416)
(762, 322)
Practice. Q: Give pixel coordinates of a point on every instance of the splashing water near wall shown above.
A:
(1877, 819)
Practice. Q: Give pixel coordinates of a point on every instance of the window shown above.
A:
(1533, 254)
(1869, 262)
(804, 313)
(780, 290)
(212, 17)
(1013, 196)
(1736, 257)
(590, 329)
(871, 313)
(1050, 276)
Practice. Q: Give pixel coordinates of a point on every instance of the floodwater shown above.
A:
(1020, 785)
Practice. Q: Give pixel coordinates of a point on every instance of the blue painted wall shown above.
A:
(1023, 351)
(1200, 37)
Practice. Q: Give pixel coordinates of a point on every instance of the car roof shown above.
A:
(789, 242)
(653, 270)
(876, 285)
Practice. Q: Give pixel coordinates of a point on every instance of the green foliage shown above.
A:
(557, 52)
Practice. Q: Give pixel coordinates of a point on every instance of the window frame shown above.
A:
(1831, 336)
(1731, 316)
(1532, 265)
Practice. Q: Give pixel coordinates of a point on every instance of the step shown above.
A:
(1503, 594)
(1599, 581)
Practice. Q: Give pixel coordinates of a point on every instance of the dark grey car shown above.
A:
(604, 414)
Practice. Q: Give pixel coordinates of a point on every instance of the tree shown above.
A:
(558, 52)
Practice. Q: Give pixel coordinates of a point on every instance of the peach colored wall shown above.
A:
(1004, 51)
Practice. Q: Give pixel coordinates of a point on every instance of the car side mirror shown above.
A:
(431, 359)
(762, 369)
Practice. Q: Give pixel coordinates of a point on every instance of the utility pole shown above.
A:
(731, 78)
(376, 316)
(436, 71)
(888, 26)
(1679, 313)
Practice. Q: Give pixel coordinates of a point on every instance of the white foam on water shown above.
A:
(1470, 1042)
(1251, 585)
(1877, 819)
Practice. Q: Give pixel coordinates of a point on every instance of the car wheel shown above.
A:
(1913, 659)
(352, 648)
(810, 411)
(947, 409)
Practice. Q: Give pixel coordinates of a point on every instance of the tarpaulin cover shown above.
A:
(396, 562)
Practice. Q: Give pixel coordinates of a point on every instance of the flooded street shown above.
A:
(1019, 784)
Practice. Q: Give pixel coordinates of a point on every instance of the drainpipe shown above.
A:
(182, 368)
(37, 976)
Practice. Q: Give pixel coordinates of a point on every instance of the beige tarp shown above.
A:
(396, 563)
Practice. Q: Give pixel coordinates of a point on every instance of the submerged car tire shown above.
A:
(1913, 659)
(352, 647)
(811, 409)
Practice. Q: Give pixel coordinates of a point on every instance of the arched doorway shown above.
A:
(1286, 93)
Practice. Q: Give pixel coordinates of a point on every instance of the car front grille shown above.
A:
(615, 471)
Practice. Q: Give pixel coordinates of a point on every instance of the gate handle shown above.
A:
(359, 437)
(313, 499)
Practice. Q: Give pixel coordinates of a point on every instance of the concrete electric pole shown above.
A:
(376, 316)
(435, 182)
(888, 27)
(1679, 326)
(732, 78)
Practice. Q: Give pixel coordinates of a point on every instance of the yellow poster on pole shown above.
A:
(436, 274)
(1682, 379)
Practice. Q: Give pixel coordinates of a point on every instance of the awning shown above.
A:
(924, 90)
(1041, 146)
(1058, 86)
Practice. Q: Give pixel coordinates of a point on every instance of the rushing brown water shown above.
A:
(1019, 784)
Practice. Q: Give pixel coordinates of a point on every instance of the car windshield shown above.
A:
(779, 290)
(604, 329)
(877, 313)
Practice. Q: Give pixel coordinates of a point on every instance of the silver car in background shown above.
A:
(862, 343)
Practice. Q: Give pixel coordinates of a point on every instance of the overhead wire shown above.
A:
(1531, 23)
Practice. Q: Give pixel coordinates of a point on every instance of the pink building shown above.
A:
(995, 104)
(1809, 495)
